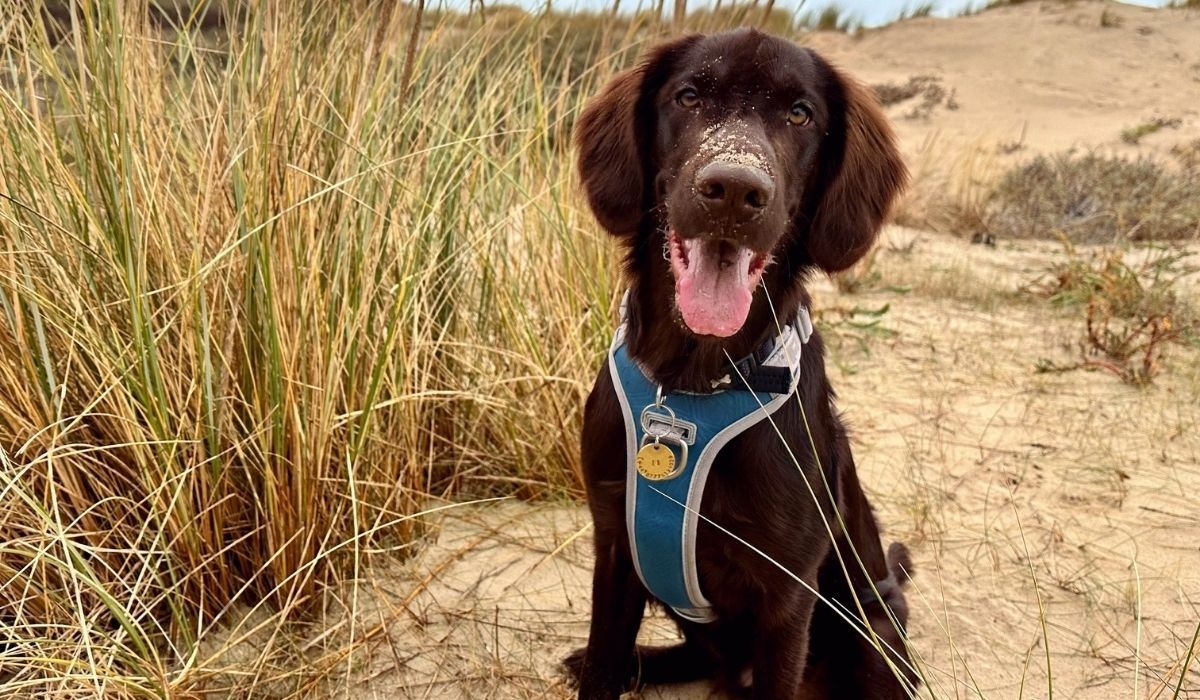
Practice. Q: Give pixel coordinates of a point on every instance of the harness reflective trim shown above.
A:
(662, 535)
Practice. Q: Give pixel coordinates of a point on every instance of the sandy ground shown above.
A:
(1052, 517)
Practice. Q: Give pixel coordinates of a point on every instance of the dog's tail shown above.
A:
(899, 563)
(891, 591)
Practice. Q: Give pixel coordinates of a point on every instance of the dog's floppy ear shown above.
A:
(864, 184)
(614, 135)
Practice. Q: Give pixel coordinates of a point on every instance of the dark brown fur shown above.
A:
(834, 181)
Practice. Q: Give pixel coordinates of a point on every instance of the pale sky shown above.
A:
(869, 12)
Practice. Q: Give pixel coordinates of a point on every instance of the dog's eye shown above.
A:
(800, 114)
(687, 98)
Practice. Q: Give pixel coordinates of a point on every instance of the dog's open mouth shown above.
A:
(714, 282)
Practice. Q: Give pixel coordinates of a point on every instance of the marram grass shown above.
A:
(259, 300)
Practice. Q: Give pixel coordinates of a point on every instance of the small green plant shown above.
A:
(852, 327)
(862, 276)
(1134, 134)
(1132, 310)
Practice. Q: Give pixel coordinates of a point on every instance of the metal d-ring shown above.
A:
(666, 436)
(670, 413)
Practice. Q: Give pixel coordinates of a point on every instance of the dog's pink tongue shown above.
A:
(714, 298)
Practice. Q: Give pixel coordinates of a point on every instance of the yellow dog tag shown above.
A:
(655, 461)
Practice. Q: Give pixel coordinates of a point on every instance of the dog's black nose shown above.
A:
(734, 190)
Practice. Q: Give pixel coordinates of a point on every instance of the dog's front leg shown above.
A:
(781, 648)
(618, 602)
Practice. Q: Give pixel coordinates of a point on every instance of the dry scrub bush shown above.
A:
(1090, 198)
(1132, 311)
(930, 89)
(1080, 197)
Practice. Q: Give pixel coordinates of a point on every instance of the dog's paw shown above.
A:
(573, 665)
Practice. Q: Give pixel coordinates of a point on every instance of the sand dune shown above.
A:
(1045, 74)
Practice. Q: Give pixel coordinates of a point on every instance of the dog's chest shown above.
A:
(759, 518)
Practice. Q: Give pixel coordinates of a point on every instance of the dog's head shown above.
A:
(747, 158)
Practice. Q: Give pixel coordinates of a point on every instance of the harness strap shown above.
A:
(751, 373)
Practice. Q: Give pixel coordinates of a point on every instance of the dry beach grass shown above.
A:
(293, 349)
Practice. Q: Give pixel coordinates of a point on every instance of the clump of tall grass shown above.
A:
(768, 18)
(830, 18)
(262, 294)
(919, 10)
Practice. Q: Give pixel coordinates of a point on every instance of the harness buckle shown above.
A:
(746, 366)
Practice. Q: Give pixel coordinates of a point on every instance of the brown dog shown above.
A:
(730, 167)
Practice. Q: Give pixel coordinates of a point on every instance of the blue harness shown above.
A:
(662, 510)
